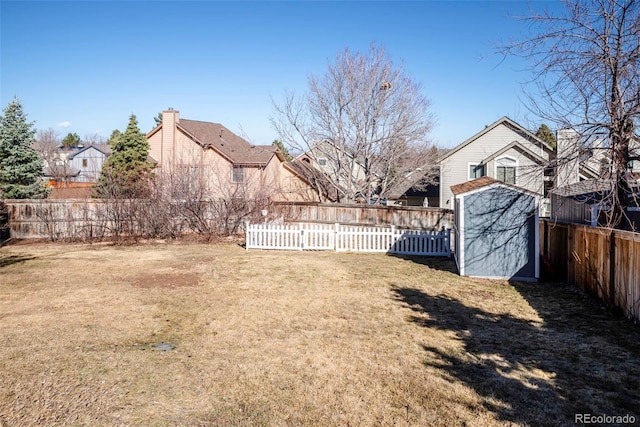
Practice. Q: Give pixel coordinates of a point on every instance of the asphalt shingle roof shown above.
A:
(235, 148)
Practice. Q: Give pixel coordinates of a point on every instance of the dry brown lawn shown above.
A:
(199, 335)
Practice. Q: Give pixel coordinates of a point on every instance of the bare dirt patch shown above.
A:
(166, 280)
(201, 334)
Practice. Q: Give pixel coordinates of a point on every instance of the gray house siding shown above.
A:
(454, 168)
(89, 162)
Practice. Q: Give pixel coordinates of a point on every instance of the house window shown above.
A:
(84, 163)
(475, 170)
(238, 174)
(506, 169)
(322, 161)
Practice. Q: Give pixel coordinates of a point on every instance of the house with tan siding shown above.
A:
(504, 151)
(228, 165)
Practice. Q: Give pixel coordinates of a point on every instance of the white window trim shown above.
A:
(495, 167)
(476, 164)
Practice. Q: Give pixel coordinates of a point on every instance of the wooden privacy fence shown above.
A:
(601, 261)
(412, 217)
(343, 238)
(89, 218)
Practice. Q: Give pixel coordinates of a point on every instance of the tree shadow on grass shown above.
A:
(7, 260)
(534, 372)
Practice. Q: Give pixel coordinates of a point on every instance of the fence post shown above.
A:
(336, 230)
(246, 236)
(302, 236)
(392, 238)
(448, 242)
(612, 269)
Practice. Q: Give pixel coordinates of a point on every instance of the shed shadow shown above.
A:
(531, 372)
(440, 263)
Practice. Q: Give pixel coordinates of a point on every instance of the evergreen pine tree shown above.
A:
(71, 140)
(20, 165)
(288, 157)
(126, 172)
(545, 134)
(114, 136)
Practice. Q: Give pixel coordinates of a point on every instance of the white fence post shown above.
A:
(302, 236)
(248, 236)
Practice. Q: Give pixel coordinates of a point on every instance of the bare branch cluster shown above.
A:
(585, 76)
(367, 118)
(177, 201)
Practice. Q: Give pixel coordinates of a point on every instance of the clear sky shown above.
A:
(85, 66)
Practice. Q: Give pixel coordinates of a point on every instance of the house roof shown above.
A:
(517, 146)
(229, 145)
(411, 181)
(502, 121)
(588, 186)
(316, 178)
(103, 148)
(485, 181)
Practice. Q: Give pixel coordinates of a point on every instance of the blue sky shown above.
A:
(85, 66)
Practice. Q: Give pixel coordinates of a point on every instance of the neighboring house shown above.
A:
(334, 162)
(496, 230)
(504, 151)
(573, 163)
(326, 190)
(76, 164)
(584, 182)
(226, 163)
(420, 187)
(343, 173)
(417, 189)
(89, 160)
(585, 202)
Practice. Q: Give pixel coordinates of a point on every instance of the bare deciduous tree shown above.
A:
(585, 66)
(364, 119)
(56, 163)
(93, 139)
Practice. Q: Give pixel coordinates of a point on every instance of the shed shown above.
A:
(496, 230)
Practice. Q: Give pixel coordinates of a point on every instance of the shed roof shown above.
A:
(485, 181)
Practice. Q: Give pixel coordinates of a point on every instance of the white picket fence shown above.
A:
(343, 238)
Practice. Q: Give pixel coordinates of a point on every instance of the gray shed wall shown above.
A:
(499, 234)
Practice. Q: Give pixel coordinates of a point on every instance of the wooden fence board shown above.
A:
(401, 216)
(601, 261)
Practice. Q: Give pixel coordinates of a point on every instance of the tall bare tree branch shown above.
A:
(585, 76)
(366, 117)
